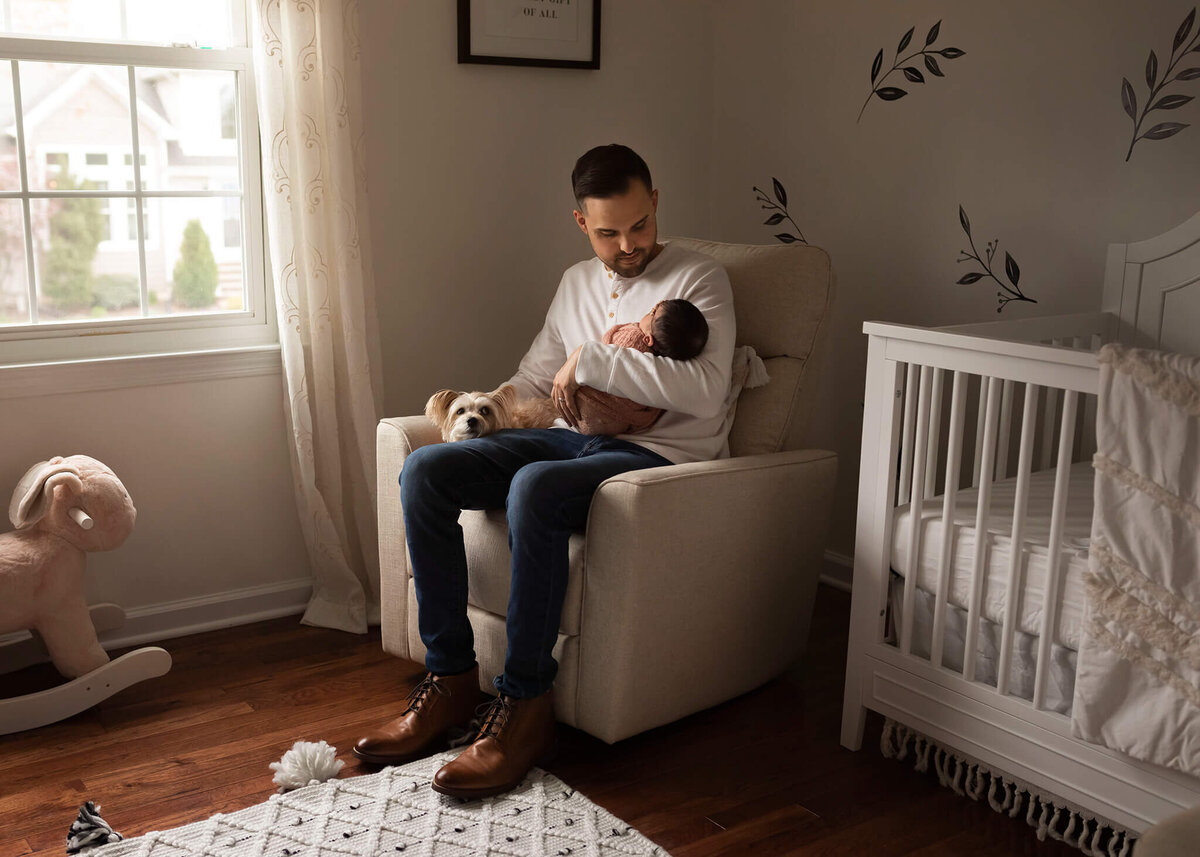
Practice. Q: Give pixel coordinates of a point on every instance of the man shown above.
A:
(545, 478)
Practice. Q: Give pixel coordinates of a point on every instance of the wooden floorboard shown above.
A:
(763, 774)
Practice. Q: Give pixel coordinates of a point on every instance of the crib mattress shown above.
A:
(1035, 553)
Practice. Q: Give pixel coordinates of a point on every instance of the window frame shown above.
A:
(253, 326)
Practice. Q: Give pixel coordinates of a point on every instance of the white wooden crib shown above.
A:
(989, 428)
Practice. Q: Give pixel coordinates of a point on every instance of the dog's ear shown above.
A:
(505, 396)
(439, 405)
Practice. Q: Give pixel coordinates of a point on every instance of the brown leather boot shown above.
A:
(436, 705)
(515, 734)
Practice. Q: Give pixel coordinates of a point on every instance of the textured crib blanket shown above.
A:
(1137, 689)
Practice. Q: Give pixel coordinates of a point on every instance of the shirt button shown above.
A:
(610, 315)
(614, 296)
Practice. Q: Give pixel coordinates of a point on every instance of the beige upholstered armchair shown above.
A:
(693, 583)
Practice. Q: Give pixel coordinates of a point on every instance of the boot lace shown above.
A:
(495, 717)
(420, 693)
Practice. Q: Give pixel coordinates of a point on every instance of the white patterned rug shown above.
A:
(394, 813)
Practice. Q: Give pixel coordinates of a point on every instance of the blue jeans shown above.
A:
(544, 479)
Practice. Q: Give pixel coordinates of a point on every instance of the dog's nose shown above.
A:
(472, 422)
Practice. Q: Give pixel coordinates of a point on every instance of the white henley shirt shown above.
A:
(591, 298)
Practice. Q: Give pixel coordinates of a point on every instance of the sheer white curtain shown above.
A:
(306, 59)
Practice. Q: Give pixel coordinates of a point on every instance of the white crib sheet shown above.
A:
(998, 555)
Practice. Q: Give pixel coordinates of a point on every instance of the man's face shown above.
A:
(622, 229)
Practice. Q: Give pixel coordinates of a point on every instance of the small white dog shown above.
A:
(461, 415)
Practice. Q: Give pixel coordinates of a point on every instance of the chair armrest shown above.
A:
(699, 583)
(395, 438)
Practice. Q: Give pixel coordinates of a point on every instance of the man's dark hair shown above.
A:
(679, 330)
(606, 171)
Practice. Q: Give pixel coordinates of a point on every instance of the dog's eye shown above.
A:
(484, 411)
(460, 411)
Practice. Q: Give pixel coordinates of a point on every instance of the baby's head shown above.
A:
(675, 329)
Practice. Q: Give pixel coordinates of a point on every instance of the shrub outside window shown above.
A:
(126, 167)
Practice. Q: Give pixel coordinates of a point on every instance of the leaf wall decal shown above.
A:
(1163, 130)
(778, 207)
(1009, 291)
(1158, 77)
(1011, 270)
(912, 73)
(1171, 102)
(1128, 98)
(1185, 30)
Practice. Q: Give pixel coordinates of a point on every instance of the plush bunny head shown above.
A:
(78, 498)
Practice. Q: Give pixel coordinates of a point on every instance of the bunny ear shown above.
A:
(35, 491)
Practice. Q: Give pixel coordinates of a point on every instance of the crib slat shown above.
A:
(1005, 428)
(935, 433)
(979, 431)
(914, 511)
(1057, 523)
(949, 501)
(983, 508)
(906, 445)
(1016, 568)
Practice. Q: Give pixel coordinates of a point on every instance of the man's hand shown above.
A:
(563, 392)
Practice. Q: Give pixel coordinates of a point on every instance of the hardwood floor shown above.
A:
(763, 774)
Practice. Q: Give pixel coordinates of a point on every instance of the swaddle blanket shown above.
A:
(1137, 689)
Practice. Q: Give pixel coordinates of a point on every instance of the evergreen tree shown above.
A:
(76, 228)
(196, 271)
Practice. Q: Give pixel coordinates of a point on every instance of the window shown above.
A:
(130, 198)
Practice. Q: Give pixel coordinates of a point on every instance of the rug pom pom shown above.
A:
(306, 764)
(90, 830)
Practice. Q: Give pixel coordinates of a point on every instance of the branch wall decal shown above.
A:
(1163, 130)
(779, 206)
(911, 73)
(1010, 291)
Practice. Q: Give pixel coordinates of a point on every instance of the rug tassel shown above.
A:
(89, 830)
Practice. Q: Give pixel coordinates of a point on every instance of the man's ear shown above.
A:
(581, 219)
(654, 199)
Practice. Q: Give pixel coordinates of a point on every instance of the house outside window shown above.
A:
(129, 184)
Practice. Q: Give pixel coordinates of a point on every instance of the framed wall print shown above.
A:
(554, 33)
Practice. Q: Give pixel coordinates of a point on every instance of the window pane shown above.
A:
(90, 19)
(196, 154)
(205, 22)
(75, 115)
(78, 278)
(10, 179)
(192, 269)
(14, 288)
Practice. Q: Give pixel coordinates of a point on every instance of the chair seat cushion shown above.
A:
(486, 537)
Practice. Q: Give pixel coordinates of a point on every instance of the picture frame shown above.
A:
(545, 33)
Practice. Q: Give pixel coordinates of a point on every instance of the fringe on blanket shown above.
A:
(1049, 814)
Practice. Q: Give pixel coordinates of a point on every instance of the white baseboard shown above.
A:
(839, 570)
(165, 621)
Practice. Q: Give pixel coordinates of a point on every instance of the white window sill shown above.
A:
(113, 373)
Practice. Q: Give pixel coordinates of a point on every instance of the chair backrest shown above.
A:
(782, 295)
